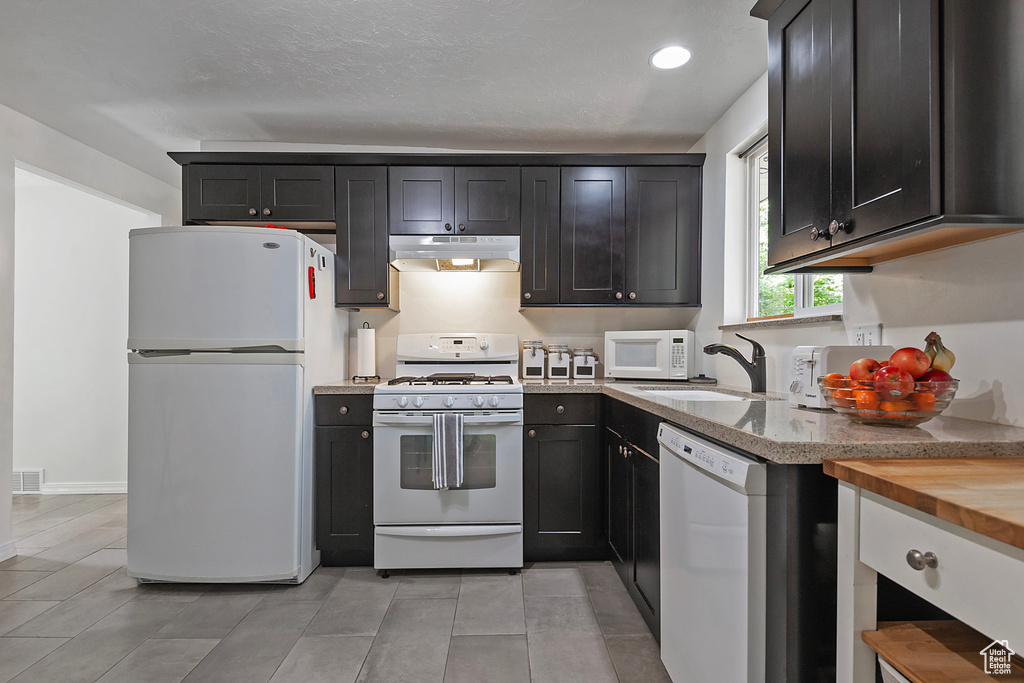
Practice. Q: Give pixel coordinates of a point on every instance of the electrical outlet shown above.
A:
(867, 335)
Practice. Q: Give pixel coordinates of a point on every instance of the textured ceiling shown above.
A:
(136, 79)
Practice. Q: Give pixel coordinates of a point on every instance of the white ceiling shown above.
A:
(137, 79)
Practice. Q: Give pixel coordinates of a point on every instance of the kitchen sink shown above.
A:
(695, 395)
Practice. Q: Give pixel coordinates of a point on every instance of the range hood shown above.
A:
(436, 252)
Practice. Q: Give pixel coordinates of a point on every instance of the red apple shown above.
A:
(914, 361)
(936, 380)
(865, 368)
(893, 383)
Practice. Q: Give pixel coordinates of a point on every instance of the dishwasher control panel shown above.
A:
(733, 467)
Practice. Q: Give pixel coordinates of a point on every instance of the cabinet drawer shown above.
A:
(343, 409)
(977, 578)
(560, 409)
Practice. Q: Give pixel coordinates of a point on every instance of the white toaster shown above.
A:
(812, 362)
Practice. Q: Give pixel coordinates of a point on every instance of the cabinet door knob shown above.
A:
(918, 560)
(365, 434)
(266, 212)
(834, 227)
(622, 449)
(815, 233)
(632, 295)
(447, 226)
(462, 227)
(380, 295)
(618, 295)
(253, 212)
(343, 410)
(532, 432)
(527, 295)
(560, 409)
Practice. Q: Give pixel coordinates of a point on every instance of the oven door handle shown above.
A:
(494, 419)
(450, 530)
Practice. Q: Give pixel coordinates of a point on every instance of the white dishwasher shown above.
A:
(712, 561)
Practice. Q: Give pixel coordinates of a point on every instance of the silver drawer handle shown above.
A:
(560, 409)
(343, 410)
(918, 560)
(365, 435)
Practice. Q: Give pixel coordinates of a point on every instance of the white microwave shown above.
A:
(648, 354)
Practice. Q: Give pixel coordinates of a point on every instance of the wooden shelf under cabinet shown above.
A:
(936, 651)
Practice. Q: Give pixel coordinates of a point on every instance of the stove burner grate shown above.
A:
(451, 379)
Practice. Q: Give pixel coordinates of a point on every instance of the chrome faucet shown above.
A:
(755, 367)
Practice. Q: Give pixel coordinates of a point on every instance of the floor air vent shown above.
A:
(28, 481)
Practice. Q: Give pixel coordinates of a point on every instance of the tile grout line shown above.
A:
(604, 637)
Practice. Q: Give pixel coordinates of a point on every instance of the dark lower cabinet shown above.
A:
(363, 278)
(563, 480)
(634, 523)
(343, 480)
(561, 493)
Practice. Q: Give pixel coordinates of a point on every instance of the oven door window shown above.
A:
(479, 461)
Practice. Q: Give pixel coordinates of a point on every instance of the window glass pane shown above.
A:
(775, 293)
(827, 289)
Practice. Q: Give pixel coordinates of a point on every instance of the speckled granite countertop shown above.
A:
(770, 428)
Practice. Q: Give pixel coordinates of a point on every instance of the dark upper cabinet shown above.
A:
(539, 242)
(889, 119)
(363, 277)
(421, 200)
(885, 115)
(216, 192)
(663, 235)
(343, 479)
(445, 200)
(853, 123)
(593, 235)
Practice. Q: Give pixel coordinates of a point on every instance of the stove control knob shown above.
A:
(494, 401)
(418, 401)
(449, 401)
(483, 344)
(478, 401)
(403, 401)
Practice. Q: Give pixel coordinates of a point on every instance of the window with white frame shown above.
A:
(780, 296)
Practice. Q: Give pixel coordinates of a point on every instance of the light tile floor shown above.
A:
(69, 613)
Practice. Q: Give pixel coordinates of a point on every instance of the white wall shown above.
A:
(972, 295)
(70, 327)
(26, 140)
(489, 302)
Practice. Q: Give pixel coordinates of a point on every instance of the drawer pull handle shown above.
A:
(560, 409)
(532, 432)
(343, 410)
(365, 435)
(918, 560)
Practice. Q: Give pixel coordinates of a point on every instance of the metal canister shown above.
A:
(534, 360)
(584, 364)
(559, 361)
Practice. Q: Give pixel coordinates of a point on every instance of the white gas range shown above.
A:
(478, 523)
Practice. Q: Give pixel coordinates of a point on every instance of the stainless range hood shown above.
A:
(437, 252)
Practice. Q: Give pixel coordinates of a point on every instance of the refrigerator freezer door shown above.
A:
(216, 288)
(214, 468)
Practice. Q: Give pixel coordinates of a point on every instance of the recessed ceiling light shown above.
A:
(670, 57)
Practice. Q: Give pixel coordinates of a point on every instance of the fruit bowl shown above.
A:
(859, 401)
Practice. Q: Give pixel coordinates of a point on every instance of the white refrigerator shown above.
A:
(229, 329)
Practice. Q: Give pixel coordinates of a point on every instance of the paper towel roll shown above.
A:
(366, 352)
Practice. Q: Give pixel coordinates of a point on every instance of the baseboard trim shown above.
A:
(7, 551)
(85, 487)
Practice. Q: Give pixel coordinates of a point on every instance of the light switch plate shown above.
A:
(866, 335)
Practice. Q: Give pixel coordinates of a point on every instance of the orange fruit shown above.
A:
(924, 400)
(895, 406)
(866, 400)
(833, 380)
